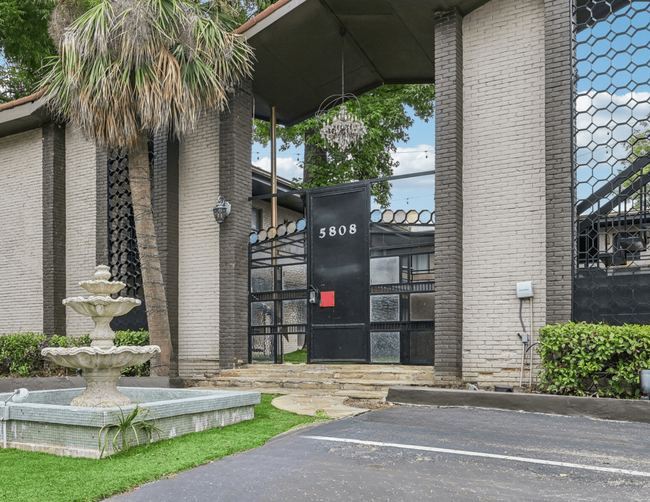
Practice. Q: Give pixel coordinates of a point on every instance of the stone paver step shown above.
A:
(299, 383)
(357, 394)
(338, 372)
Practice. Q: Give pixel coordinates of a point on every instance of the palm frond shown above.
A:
(130, 66)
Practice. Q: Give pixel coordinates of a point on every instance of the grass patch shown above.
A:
(29, 476)
(297, 357)
(300, 357)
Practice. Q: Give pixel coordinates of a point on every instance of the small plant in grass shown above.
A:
(126, 429)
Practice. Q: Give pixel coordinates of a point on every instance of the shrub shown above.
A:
(594, 359)
(133, 338)
(20, 354)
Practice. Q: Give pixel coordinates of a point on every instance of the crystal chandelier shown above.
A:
(344, 129)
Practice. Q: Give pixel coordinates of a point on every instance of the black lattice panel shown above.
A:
(122, 242)
(612, 161)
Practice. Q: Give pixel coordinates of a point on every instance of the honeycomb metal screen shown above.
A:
(611, 62)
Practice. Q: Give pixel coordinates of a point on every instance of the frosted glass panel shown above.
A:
(422, 306)
(262, 313)
(384, 308)
(384, 270)
(384, 346)
(422, 347)
(294, 277)
(261, 279)
(294, 312)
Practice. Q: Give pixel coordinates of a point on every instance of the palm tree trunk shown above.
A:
(152, 279)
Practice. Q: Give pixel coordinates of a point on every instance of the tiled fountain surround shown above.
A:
(45, 421)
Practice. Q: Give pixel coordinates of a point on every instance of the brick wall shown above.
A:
(81, 222)
(504, 237)
(54, 231)
(449, 195)
(21, 232)
(283, 213)
(559, 221)
(198, 250)
(235, 184)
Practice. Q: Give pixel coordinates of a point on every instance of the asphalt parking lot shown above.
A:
(423, 453)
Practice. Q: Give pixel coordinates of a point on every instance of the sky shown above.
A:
(613, 93)
(416, 155)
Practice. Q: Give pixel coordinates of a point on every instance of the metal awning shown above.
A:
(297, 44)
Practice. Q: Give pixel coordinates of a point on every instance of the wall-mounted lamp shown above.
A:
(221, 210)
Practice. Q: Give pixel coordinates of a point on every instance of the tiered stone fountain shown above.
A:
(102, 362)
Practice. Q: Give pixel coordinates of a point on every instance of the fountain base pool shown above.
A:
(46, 422)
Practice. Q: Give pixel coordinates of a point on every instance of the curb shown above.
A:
(626, 410)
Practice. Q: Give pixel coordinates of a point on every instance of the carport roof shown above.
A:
(297, 44)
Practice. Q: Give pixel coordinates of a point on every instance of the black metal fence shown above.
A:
(402, 281)
(612, 161)
(401, 298)
(278, 291)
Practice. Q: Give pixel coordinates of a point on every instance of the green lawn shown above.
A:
(38, 477)
(297, 357)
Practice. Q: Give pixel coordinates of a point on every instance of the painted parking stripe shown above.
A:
(483, 455)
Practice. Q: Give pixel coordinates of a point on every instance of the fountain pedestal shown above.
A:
(102, 362)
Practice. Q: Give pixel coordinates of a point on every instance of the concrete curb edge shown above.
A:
(626, 410)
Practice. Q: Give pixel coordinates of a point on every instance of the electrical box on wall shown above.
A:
(525, 289)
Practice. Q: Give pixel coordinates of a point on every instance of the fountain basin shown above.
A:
(101, 369)
(101, 306)
(46, 422)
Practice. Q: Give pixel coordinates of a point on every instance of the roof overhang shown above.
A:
(23, 117)
(297, 45)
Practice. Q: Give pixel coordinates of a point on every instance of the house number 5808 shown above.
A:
(333, 231)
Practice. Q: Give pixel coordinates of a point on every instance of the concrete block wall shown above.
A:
(81, 222)
(198, 250)
(504, 196)
(21, 233)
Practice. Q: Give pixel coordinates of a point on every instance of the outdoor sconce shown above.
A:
(221, 210)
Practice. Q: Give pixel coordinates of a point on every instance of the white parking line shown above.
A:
(484, 455)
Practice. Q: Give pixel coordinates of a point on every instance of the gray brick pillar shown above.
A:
(165, 213)
(559, 211)
(54, 278)
(235, 184)
(101, 211)
(449, 195)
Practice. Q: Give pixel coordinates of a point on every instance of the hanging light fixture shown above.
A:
(344, 129)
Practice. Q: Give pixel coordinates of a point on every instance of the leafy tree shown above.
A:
(387, 121)
(128, 69)
(24, 44)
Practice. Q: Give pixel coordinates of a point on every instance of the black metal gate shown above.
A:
(358, 284)
(338, 274)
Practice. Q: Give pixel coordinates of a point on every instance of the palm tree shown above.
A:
(128, 69)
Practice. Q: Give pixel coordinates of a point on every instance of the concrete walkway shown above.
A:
(331, 406)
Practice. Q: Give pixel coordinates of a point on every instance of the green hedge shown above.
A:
(594, 359)
(20, 354)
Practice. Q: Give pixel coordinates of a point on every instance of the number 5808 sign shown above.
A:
(333, 231)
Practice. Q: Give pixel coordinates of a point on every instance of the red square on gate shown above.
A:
(327, 299)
